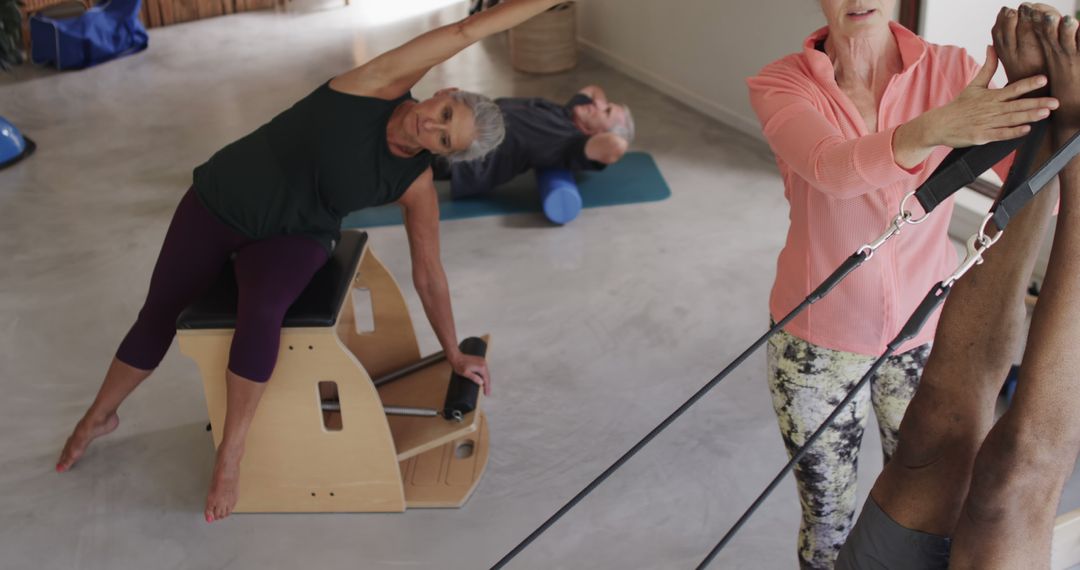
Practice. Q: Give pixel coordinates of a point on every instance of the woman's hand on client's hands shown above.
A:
(981, 114)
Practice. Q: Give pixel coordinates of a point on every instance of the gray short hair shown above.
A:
(625, 130)
(488, 123)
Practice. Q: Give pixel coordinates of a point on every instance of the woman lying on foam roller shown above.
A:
(275, 199)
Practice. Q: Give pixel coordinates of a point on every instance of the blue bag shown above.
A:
(104, 32)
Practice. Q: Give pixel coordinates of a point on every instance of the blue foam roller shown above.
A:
(559, 195)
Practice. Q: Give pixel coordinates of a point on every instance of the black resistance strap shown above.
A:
(963, 166)
(960, 168)
(1013, 199)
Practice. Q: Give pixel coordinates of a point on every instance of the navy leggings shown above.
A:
(270, 274)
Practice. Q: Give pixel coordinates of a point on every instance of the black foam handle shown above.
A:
(462, 393)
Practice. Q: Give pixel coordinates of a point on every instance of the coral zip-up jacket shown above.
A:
(844, 187)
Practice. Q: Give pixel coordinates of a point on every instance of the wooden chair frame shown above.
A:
(295, 461)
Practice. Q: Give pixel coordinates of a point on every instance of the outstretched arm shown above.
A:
(1008, 515)
(978, 337)
(394, 73)
(420, 208)
(821, 154)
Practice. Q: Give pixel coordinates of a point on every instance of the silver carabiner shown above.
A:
(894, 229)
(982, 231)
(976, 247)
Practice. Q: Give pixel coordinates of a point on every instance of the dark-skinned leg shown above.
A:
(977, 339)
(1007, 520)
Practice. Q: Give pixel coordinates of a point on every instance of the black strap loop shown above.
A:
(960, 168)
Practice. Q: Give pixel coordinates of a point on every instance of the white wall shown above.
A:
(940, 17)
(698, 51)
(701, 51)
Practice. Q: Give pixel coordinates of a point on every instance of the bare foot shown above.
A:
(1017, 44)
(223, 494)
(88, 429)
(1058, 38)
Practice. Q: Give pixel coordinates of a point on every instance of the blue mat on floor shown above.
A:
(633, 179)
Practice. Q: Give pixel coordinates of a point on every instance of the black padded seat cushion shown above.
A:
(317, 306)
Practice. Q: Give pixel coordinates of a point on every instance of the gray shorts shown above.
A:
(879, 543)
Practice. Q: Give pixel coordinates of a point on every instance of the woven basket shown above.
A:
(32, 6)
(547, 43)
(167, 12)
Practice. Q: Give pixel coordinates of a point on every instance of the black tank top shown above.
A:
(307, 168)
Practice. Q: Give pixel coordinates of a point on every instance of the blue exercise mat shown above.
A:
(633, 179)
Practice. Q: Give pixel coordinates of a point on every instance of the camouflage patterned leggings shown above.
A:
(807, 382)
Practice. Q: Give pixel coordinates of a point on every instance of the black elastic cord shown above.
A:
(918, 319)
(1014, 199)
(849, 265)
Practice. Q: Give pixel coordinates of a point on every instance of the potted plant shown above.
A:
(11, 33)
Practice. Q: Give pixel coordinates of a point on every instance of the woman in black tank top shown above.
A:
(275, 199)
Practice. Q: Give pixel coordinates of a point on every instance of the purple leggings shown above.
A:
(270, 274)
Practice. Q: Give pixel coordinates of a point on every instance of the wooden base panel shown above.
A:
(446, 477)
(292, 463)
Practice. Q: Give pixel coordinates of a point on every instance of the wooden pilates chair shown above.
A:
(306, 453)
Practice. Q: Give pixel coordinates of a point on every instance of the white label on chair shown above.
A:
(363, 311)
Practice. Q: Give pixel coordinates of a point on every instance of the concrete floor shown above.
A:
(600, 328)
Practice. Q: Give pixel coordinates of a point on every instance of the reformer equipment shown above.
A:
(960, 168)
(1019, 189)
